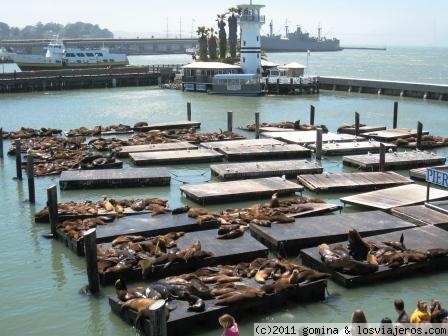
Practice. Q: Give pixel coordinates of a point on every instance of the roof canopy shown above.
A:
(210, 65)
(267, 64)
(293, 65)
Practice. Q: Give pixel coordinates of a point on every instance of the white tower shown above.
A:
(250, 25)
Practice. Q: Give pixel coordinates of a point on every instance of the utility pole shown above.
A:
(167, 27)
(180, 27)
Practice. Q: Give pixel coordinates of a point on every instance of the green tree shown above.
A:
(4, 31)
(222, 36)
(233, 30)
(202, 33)
(212, 44)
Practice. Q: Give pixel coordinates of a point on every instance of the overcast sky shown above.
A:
(355, 22)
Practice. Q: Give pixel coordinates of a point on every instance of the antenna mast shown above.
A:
(180, 27)
(167, 27)
(271, 28)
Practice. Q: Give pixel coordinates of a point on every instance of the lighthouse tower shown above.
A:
(250, 24)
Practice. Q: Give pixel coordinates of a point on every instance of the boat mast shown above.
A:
(319, 32)
(271, 29)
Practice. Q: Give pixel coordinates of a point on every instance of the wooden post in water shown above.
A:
(91, 260)
(419, 135)
(18, 159)
(52, 204)
(157, 319)
(319, 144)
(291, 85)
(395, 120)
(382, 162)
(257, 125)
(1, 143)
(30, 177)
(312, 111)
(356, 123)
(230, 121)
(189, 111)
(278, 85)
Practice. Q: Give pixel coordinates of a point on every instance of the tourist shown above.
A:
(403, 317)
(435, 309)
(421, 314)
(358, 322)
(385, 326)
(227, 322)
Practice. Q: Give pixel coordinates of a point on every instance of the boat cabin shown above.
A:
(198, 76)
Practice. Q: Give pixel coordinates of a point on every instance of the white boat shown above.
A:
(58, 56)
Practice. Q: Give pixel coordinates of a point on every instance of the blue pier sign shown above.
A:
(437, 176)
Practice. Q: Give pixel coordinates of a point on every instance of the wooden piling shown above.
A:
(356, 123)
(382, 162)
(157, 319)
(395, 120)
(230, 121)
(18, 159)
(257, 125)
(278, 86)
(1, 143)
(189, 111)
(319, 144)
(30, 177)
(419, 135)
(312, 110)
(52, 204)
(91, 260)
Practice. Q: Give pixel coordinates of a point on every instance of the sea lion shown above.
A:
(310, 275)
(282, 283)
(398, 245)
(180, 210)
(233, 234)
(357, 246)
(240, 295)
(140, 305)
(195, 212)
(274, 201)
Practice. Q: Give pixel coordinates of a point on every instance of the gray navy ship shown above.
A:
(298, 41)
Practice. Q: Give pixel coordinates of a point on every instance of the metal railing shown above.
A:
(252, 18)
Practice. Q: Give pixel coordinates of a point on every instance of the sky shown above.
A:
(354, 22)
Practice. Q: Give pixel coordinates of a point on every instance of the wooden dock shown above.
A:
(168, 146)
(362, 129)
(289, 238)
(330, 182)
(354, 147)
(283, 151)
(309, 137)
(397, 160)
(420, 173)
(145, 225)
(114, 178)
(240, 190)
(389, 198)
(184, 322)
(176, 157)
(422, 215)
(225, 251)
(421, 239)
(392, 134)
(169, 125)
(217, 145)
(289, 168)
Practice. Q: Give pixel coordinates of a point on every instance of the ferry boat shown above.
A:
(58, 56)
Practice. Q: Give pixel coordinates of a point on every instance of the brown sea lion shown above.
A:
(180, 210)
(140, 305)
(282, 283)
(310, 275)
(357, 246)
(233, 234)
(195, 212)
(274, 201)
(240, 295)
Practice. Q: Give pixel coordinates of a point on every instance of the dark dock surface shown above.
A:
(289, 238)
(421, 239)
(362, 129)
(183, 322)
(420, 173)
(144, 225)
(397, 160)
(355, 147)
(440, 206)
(175, 157)
(169, 125)
(289, 168)
(168, 146)
(389, 198)
(352, 181)
(422, 215)
(240, 190)
(217, 145)
(283, 151)
(244, 248)
(113, 178)
(392, 134)
(309, 137)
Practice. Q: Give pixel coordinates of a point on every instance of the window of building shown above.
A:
(258, 55)
(89, 54)
(244, 43)
(99, 54)
(244, 59)
(258, 38)
(80, 54)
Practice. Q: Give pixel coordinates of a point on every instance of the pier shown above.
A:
(383, 87)
(422, 215)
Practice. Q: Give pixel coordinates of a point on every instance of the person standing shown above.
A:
(227, 322)
(421, 314)
(403, 317)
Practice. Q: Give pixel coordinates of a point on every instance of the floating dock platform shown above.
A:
(244, 248)
(283, 151)
(114, 178)
(309, 137)
(217, 145)
(176, 157)
(183, 322)
(420, 239)
(398, 160)
(332, 182)
(239, 190)
(168, 146)
(420, 173)
(389, 198)
(289, 168)
(362, 129)
(169, 125)
(355, 147)
(393, 134)
(422, 215)
(288, 239)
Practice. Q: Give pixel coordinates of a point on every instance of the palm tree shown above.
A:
(222, 36)
(202, 33)
(212, 45)
(233, 30)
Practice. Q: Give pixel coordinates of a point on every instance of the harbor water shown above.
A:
(41, 279)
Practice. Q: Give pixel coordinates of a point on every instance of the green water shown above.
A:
(41, 278)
